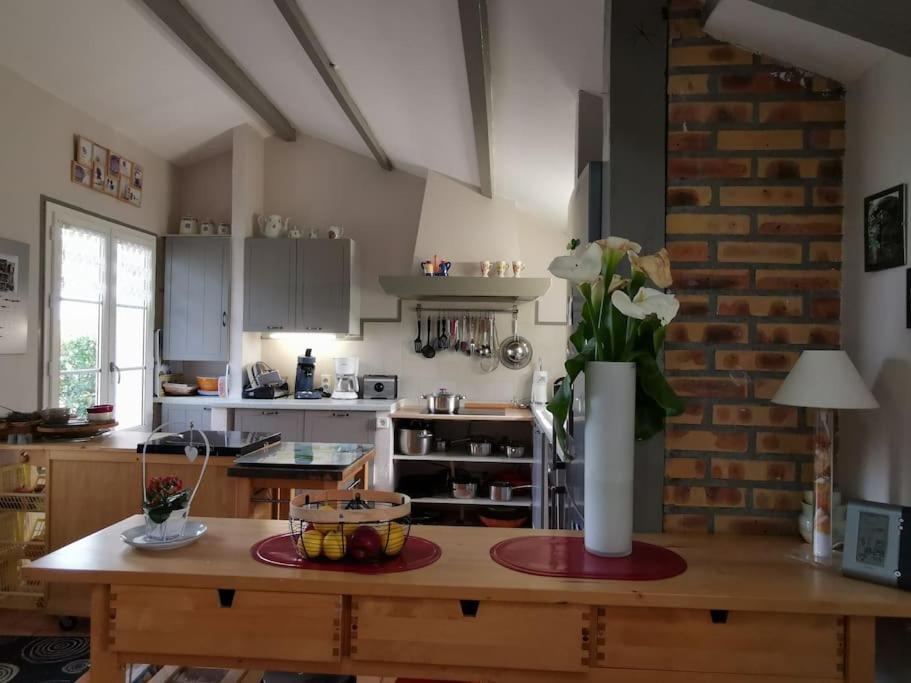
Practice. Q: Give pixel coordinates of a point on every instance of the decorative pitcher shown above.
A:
(272, 226)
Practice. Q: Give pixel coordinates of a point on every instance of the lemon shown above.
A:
(310, 543)
(325, 527)
(334, 545)
(393, 538)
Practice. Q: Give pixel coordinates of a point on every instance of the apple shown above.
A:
(365, 544)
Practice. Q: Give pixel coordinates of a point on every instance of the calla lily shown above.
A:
(584, 267)
(657, 266)
(646, 302)
(616, 283)
(620, 244)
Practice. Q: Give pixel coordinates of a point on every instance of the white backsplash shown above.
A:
(389, 348)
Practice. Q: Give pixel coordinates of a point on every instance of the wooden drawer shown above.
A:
(340, 426)
(470, 633)
(717, 641)
(289, 422)
(214, 622)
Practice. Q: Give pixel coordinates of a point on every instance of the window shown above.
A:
(101, 300)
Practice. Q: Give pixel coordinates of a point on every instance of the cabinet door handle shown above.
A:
(224, 318)
(340, 414)
(269, 412)
(275, 327)
(206, 409)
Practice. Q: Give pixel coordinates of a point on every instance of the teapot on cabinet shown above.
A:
(272, 226)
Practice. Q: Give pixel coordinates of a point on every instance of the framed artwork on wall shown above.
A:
(107, 171)
(885, 226)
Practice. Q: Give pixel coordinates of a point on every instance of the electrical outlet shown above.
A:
(382, 423)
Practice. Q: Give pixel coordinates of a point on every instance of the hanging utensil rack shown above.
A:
(419, 309)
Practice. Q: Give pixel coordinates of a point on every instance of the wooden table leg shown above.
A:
(104, 662)
(860, 650)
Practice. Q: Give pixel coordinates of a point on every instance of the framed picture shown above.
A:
(111, 186)
(124, 191)
(135, 196)
(84, 151)
(885, 219)
(98, 176)
(137, 176)
(100, 156)
(80, 174)
(126, 169)
(114, 165)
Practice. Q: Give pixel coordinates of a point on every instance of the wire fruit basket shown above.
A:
(363, 526)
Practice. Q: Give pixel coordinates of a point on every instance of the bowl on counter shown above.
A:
(103, 412)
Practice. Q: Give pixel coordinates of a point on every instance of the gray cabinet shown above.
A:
(270, 279)
(196, 298)
(178, 418)
(301, 286)
(340, 426)
(289, 422)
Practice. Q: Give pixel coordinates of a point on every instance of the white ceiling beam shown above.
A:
(306, 36)
(194, 35)
(476, 44)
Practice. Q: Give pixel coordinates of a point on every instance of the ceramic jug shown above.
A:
(272, 226)
(207, 227)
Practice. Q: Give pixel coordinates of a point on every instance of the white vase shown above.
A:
(610, 413)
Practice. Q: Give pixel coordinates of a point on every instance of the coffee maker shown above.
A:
(303, 381)
(346, 386)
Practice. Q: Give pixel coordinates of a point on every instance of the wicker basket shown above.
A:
(361, 526)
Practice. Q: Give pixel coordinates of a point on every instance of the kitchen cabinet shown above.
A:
(289, 422)
(178, 417)
(339, 426)
(300, 286)
(196, 298)
(270, 279)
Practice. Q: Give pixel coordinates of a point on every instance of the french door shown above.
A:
(100, 306)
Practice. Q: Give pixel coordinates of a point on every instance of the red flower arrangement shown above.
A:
(163, 496)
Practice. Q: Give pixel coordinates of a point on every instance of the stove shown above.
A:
(222, 443)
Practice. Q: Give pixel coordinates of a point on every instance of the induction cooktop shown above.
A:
(222, 443)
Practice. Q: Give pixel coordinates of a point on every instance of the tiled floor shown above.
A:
(34, 623)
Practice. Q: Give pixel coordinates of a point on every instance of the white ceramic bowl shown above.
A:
(100, 417)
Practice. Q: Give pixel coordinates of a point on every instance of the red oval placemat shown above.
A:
(565, 556)
(280, 551)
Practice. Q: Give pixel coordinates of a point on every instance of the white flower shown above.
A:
(656, 266)
(620, 244)
(585, 267)
(616, 283)
(646, 302)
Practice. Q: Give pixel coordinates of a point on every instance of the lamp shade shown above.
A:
(825, 379)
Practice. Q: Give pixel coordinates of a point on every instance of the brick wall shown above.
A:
(754, 229)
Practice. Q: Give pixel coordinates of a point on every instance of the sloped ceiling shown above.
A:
(402, 61)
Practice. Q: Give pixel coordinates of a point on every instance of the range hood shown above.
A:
(492, 289)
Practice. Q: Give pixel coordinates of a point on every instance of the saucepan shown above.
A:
(501, 491)
(477, 445)
(464, 489)
(415, 441)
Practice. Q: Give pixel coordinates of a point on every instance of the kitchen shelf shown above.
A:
(486, 502)
(462, 457)
(490, 289)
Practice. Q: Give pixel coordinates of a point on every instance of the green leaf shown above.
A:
(649, 416)
(655, 385)
(560, 403)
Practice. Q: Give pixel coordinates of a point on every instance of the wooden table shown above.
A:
(743, 612)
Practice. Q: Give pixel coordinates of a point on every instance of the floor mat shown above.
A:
(30, 659)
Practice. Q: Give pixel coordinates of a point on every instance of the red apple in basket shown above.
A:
(365, 544)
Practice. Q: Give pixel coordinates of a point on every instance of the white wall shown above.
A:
(36, 136)
(318, 184)
(204, 189)
(874, 456)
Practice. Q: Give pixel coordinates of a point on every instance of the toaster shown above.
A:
(381, 386)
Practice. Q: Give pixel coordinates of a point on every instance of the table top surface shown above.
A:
(724, 572)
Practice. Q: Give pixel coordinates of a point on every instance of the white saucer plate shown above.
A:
(136, 537)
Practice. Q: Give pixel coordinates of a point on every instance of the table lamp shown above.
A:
(827, 381)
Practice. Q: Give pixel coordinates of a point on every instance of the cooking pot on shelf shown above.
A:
(415, 441)
(501, 491)
(442, 402)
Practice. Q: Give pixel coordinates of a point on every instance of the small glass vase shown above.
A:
(173, 527)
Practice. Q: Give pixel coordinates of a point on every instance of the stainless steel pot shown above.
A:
(443, 403)
(415, 441)
(514, 451)
(464, 489)
(482, 448)
(501, 491)
(440, 444)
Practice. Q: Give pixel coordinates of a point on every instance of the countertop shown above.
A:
(288, 403)
(724, 572)
(510, 413)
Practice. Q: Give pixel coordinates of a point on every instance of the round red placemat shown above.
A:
(280, 551)
(565, 556)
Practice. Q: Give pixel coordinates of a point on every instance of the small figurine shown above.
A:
(443, 268)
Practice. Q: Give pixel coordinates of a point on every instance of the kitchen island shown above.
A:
(743, 612)
(92, 484)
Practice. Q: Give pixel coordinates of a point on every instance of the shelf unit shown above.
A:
(23, 534)
(462, 457)
(484, 502)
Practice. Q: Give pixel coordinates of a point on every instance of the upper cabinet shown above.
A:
(196, 298)
(303, 285)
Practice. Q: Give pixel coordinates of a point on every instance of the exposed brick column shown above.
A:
(754, 229)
